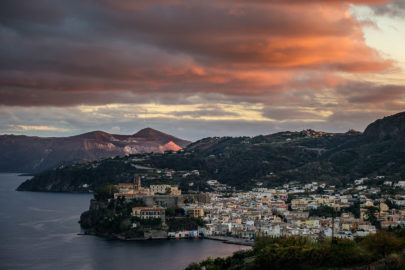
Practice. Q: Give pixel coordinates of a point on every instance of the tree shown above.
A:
(322, 211)
(371, 215)
(354, 209)
(290, 197)
(193, 266)
(105, 192)
(170, 212)
(383, 243)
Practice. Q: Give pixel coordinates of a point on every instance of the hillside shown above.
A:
(391, 127)
(383, 250)
(270, 160)
(35, 154)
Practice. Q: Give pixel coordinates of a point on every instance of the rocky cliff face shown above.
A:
(35, 154)
(88, 219)
(390, 127)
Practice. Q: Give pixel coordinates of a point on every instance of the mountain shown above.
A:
(390, 127)
(20, 153)
(269, 160)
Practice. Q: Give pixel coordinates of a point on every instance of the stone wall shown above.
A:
(173, 201)
(155, 234)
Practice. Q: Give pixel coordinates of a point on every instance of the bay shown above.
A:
(40, 230)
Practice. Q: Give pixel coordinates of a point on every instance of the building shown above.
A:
(125, 187)
(149, 212)
(131, 190)
(164, 189)
(196, 212)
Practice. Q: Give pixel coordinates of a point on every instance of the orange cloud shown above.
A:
(179, 47)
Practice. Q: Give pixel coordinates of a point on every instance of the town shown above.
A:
(315, 210)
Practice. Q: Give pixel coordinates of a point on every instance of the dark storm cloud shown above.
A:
(395, 9)
(372, 95)
(290, 114)
(63, 52)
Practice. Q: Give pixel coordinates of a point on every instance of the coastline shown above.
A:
(231, 240)
(223, 239)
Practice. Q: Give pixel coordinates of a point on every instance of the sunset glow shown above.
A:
(199, 68)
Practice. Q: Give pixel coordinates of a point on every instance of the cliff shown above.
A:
(391, 127)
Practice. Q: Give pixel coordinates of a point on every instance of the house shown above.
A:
(401, 184)
(149, 212)
(196, 212)
(388, 224)
(125, 187)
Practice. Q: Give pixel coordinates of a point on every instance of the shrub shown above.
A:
(382, 244)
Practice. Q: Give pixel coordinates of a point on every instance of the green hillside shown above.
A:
(244, 161)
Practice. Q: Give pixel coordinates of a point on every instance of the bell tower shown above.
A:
(137, 182)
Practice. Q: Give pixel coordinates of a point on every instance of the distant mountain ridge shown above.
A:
(20, 153)
(270, 160)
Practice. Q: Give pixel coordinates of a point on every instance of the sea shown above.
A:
(40, 230)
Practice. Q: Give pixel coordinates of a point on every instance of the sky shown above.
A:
(199, 68)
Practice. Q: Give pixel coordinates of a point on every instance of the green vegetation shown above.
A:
(323, 211)
(105, 192)
(371, 212)
(327, 211)
(153, 223)
(113, 216)
(241, 162)
(387, 248)
(273, 160)
(173, 212)
(181, 224)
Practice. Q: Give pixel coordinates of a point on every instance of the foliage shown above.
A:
(173, 212)
(115, 218)
(324, 211)
(193, 266)
(241, 161)
(290, 197)
(295, 252)
(151, 222)
(181, 224)
(105, 192)
(383, 243)
(354, 209)
(371, 215)
(136, 203)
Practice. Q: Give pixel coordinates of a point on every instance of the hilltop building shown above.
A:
(156, 195)
(165, 189)
(149, 212)
(132, 190)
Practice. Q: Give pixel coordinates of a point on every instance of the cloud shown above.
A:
(18, 128)
(294, 114)
(67, 53)
(371, 96)
(394, 9)
(368, 94)
(223, 67)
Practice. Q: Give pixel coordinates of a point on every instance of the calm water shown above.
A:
(40, 231)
